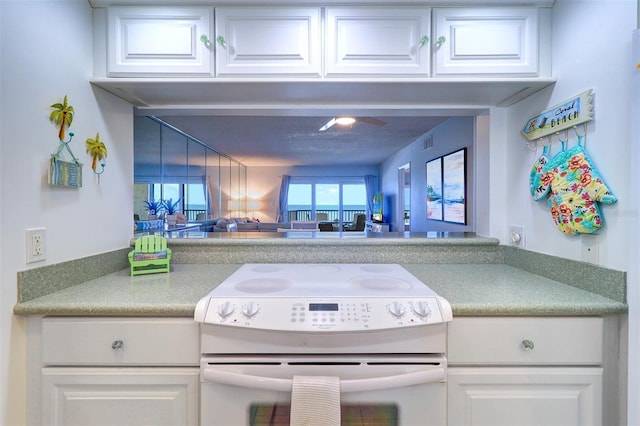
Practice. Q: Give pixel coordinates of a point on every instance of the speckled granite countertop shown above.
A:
(472, 289)
(505, 290)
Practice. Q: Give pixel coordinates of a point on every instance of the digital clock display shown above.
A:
(323, 307)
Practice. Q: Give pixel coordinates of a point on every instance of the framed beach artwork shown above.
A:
(434, 189)
(454, 172)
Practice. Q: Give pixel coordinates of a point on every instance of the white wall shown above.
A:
(453, 134)
(4, 330)
(591, 50)
(633, 273)
(604, 65)
(263, 183)
(46, 53)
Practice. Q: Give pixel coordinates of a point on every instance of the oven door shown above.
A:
(389, 390)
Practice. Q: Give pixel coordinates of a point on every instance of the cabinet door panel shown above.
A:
(268, 41)
(378, 41)
(110, 396)
(487, 41)
(524, 396)
(148, 41)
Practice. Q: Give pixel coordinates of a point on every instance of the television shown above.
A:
(378, 207)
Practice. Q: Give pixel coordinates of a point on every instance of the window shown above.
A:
(195, 199)
(192, 197)
(331, 200)
(300, 201)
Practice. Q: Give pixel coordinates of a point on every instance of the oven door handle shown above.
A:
(359, 385)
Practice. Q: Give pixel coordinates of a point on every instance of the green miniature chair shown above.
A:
(150, 255)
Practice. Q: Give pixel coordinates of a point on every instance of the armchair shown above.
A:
(325, 227)
(358, 223)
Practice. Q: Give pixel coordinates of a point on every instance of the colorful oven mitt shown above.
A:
(539, 190)
(575, 189)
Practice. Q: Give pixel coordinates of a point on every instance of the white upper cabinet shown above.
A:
(260, 41)
(487, 41)
(158, 41)
(333, 41)
(378, 41)
(335, 54)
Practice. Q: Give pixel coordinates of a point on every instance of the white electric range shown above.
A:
(375, 326)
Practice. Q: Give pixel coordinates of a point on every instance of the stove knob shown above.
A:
(421, 309)
(225, 309)
(396, 309)
(250, 309)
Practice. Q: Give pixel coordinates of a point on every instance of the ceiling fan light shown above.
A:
(345, 121)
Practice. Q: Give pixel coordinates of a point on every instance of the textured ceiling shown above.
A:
(297, 141)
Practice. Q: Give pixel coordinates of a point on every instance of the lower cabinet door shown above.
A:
(120, 396)
(524, 396)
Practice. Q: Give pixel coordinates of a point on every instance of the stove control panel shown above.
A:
(343, 315)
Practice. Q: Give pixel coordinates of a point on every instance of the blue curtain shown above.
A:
(371, 188)
(282, 201)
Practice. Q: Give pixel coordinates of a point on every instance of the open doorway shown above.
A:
(404, 198)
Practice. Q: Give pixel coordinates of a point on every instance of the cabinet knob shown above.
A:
(440, 41)
(424, 40)
(117, 345)
(205, 40)
(527, 345)
(221, 41)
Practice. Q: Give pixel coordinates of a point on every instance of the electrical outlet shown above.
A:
(516, 236)
(590, 251)
(36, 244)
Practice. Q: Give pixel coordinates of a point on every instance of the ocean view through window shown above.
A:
(326, 200)
(192, 197)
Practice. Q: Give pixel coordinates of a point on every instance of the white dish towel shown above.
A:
(315, 401)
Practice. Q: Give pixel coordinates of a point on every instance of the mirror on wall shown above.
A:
(170, 164)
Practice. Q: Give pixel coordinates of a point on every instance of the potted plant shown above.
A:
(153, 208)
(171, 208)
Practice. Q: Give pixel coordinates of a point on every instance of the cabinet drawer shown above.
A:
(120, 341)
(526, 341)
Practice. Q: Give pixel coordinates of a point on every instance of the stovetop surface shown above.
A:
(322, 298)
(321, 279)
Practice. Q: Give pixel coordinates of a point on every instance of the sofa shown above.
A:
(242, 225)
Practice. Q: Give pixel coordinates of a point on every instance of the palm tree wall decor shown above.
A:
(98, 151)
(62, 116)
(61, 172)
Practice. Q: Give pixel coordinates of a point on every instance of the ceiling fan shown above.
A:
(345, 121)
